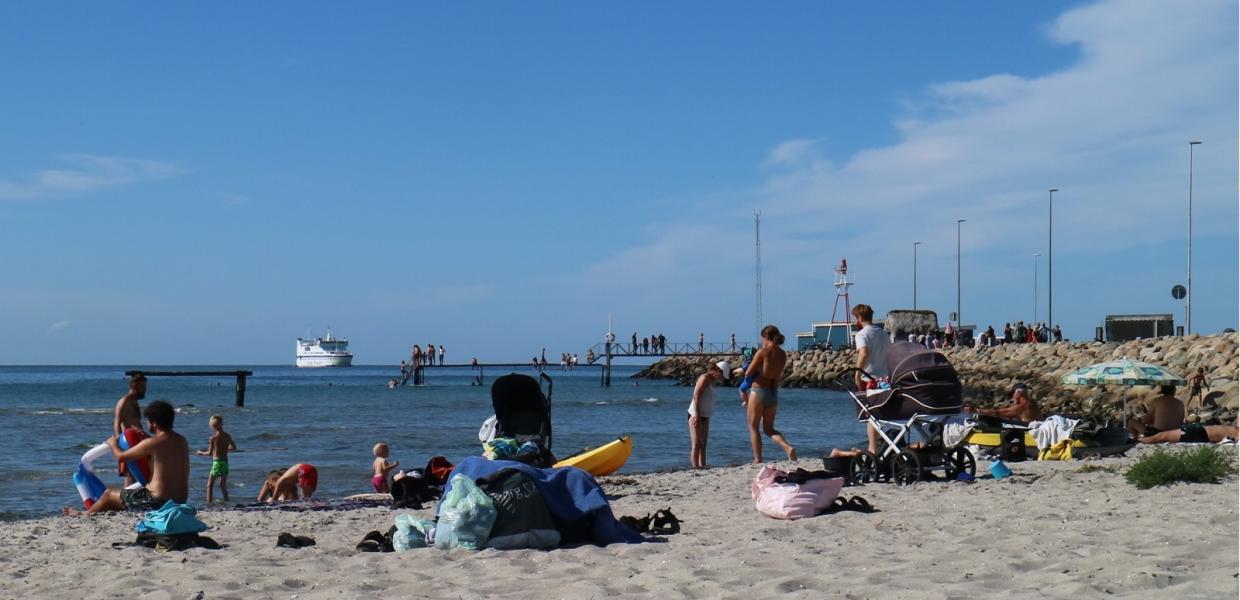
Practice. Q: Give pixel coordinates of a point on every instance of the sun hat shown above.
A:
(726, 368)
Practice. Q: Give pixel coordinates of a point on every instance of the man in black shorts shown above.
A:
(169, 455)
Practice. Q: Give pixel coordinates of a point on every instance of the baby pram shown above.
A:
(925, 393)
(523, 412)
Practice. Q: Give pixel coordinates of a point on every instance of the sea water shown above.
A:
(332, 418)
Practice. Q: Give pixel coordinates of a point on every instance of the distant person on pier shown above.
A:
(441, 355)
(762, 382)
(662, 344)
(634, 342)
(404, 369)
(430, 355)
(645, 345)
(572, 362)
(416, 358)
(474, 362)
(590, 356)
(701, 408)
(1057, 334)
(701, 342)
(734, 342)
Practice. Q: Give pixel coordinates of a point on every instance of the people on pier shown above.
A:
(441, 355)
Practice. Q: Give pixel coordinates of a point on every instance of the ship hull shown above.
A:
(324, 361)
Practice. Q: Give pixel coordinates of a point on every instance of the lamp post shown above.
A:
(1188, 302)
(959, 316)
(915, 245)
(1035, 287)
(1050, 257)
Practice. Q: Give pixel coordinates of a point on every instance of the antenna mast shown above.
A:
(757, 243)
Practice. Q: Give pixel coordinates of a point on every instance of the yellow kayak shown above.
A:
(992, 439)
(604, 460)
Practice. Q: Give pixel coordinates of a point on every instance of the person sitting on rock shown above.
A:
(1022, 410)
(1165, 413)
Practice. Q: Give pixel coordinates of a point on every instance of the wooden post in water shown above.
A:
(607, 365)
(241, 389)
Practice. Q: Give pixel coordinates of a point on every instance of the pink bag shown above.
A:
(791, 500)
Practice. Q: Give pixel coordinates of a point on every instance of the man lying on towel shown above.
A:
(1194, 433)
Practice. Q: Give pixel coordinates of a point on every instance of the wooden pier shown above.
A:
(240, 375)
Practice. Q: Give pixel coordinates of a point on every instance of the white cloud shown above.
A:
(86, 173)
(1110, 130)
(59, 326)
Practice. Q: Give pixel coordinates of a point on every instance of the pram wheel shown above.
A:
(958, 461)
(906, 467)
(863, 468)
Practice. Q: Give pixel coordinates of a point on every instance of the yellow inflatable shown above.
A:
(604, 460)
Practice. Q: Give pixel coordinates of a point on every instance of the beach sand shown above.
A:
(1054, 530)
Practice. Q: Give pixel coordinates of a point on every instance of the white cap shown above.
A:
(726, 368)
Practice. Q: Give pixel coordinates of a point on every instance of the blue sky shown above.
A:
(202, 184)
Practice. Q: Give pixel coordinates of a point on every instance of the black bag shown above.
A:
(166, 543)
(1012, 448)
(522, 519)
(410, 492)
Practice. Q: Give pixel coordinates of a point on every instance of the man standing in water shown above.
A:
(129, 414)
(761, 384)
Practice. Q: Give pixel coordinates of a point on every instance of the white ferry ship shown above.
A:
(326, 351)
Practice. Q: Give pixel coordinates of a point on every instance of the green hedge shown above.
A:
(1206, 463)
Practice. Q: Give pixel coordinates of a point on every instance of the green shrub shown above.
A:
(1204, 464)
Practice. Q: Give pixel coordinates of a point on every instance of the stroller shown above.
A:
(523, 412)
(925, 393)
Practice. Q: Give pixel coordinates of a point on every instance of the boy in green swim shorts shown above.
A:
(217, 448)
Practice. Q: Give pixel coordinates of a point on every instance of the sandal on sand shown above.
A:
(640, 525)
(665, 523)
(860, 505)
(288, 540)
(373, 542)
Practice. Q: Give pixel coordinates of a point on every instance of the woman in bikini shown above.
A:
(762, 401)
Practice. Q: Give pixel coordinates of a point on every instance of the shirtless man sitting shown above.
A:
(1165, 413)
(285, 485)
(1023, 409)
(169, 455)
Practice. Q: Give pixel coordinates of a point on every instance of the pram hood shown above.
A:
(922, 382)
(521, 408)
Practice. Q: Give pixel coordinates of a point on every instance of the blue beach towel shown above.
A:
(171, 519)
(569, 493)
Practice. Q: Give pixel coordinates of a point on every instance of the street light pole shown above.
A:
(915, 245)
(959, 316)
(1035, 287)
(1050, 257)
(1188, 303)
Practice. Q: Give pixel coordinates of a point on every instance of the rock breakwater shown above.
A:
(988, 373)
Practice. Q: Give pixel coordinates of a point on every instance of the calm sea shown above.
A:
(332, 418)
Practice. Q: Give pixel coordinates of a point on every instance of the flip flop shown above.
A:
(288, 540)
(640, 525)
(860, 505)
(665, 523)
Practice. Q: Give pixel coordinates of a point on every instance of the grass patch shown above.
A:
(1206, 463)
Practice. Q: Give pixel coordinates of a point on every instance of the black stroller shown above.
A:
(523, 412)
(925, 392)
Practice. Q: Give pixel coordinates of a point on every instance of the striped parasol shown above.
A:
(1123, 372)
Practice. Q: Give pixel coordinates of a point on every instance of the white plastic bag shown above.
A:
(466, 516)
(411, 533)
(487, 432)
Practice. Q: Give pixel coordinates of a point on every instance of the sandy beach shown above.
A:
(1057, 530)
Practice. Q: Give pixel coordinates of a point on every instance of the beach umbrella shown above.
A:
(1123, 372)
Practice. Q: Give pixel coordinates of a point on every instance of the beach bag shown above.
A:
(792, 500)
(171, 519)
(522, 519)
(412, 490)
(465, 517)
